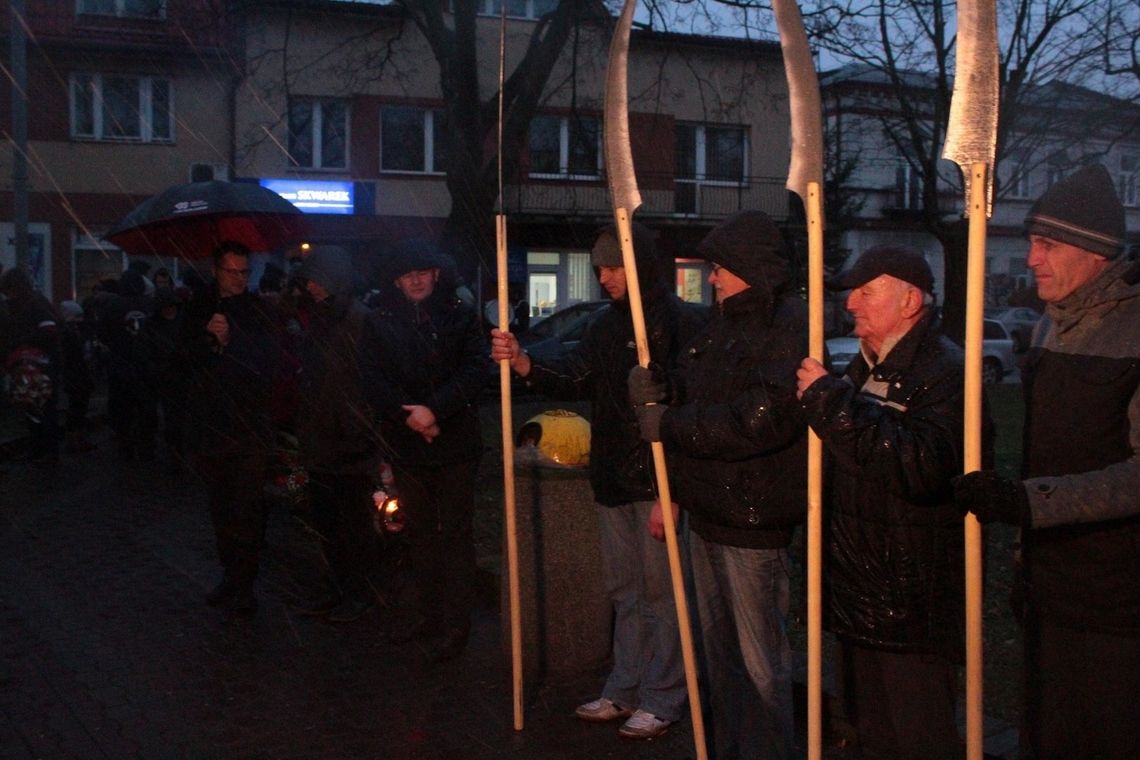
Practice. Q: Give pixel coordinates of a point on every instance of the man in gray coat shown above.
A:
(1077, 503)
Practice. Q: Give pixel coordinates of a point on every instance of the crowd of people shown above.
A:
(731, 394)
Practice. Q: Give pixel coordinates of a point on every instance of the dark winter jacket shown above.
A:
(334, 423)
(893, 569)
(1082, 385)
(121, 326)
(229, 388)
(735, 433)
(621, 464)
(434, 354)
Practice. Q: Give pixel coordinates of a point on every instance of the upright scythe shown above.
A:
(509, 521)
(971, 140)
(626, 198)
(805, 179)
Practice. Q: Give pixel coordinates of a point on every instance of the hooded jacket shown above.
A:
(1082, 383)
(432, 353)
(734, 432)
(621, 464)
(893, 535)
(334, 423)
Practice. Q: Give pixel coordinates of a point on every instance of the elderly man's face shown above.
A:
(882, 308)
(1061, 268)
(725, 283)
(418, 284)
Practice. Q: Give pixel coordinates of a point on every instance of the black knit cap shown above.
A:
(1082, 210)
(899, 261)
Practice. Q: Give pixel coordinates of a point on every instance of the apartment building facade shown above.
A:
(1061, 128)
(336, 106)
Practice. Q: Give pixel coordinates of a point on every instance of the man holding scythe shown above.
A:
(647, 666)
(1076, 502)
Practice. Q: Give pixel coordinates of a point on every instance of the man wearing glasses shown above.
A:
(231, 348)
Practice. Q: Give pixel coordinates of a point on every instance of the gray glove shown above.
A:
(645, 386)
(649, 421)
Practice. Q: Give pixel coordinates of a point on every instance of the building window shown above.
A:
(908, 187)
(412, 140)
(125, 8)
(1126, 180)
(318, 133)
(565, 146)
(515, 8)
(711, 153)
(1018, 177)
(1018, 266)
(707, 154)
(125, 108)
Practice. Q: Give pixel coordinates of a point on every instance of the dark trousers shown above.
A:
(234, 485)
(342, 511)
(133, 413)
(902, 704)
(1082, 694)
(439, 504)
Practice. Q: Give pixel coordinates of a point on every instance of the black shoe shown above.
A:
(221, 593)
(349, 611)
(448, 646)
(318, 606)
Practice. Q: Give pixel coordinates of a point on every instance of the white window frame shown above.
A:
(428, 130)
(145, 106)
(911, 187)
(700, 138)
(1128, 180)
(1020, 187)
(492, 8)
(316, 124)
(564, 151)
(120, 10)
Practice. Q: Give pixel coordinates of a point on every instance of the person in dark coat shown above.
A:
(1076, 501)
(231, 346)
(337, 442)
(78, 380)
(736, 441)
(165, 374)
(31, 350)
(892, 434)
(423, 358)
(131, 401)
(646, 685)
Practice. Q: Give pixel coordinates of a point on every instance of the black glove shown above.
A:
(992, 498)
(649, 421)
(645, 386)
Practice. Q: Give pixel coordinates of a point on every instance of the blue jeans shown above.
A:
(648, 670)
(742, 604)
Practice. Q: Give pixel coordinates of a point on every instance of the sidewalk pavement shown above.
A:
(107, 650)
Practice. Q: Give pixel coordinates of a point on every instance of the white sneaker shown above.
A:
(644, 725)
(602, 710)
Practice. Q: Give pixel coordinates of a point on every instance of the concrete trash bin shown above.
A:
(564, 611)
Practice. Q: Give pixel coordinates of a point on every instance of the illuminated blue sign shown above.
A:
(314, 196)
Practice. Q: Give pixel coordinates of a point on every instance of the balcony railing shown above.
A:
(662, 197)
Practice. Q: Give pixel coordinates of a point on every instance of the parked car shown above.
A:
(553, 336)
(1019, 321)
(997, 352)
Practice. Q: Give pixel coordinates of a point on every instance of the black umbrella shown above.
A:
(189, 221)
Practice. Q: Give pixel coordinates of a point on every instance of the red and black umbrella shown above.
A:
(189, 221)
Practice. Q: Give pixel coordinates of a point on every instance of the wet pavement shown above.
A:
(108, 651)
